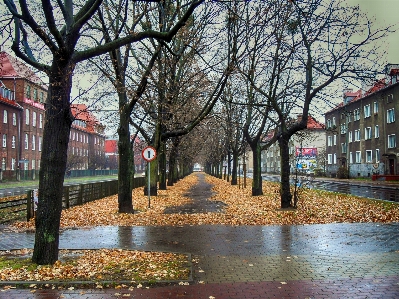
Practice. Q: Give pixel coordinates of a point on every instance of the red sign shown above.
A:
(149, 153)
(306, 152)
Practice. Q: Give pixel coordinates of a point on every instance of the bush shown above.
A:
(343, 173)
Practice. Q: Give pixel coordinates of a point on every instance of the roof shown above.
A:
(81, 112)
(10, 103)
(111, 146)
(10, 67)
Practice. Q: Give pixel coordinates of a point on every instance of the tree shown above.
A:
(62, 34)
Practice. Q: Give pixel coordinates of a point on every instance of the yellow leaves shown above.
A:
(314, 206)
(103, 264)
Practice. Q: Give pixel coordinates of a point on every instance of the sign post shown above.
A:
(149, 153)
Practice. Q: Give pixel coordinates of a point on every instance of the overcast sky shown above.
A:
(385, 13)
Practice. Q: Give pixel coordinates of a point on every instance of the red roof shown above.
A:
(10, 102)
(111, 146)
(10, 67)
(81, 112)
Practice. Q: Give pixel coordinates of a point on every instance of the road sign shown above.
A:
(149, 153)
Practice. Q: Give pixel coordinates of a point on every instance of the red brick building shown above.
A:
(22, 110)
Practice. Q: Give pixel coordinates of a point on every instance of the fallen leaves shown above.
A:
(315, 206)
(96, 265)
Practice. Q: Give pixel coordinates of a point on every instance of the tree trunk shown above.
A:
(126, 163)
(285, 189)
(162, 166)
(234, 170)
(58, 120)
(257, 175)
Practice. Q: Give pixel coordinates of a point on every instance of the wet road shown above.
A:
(390, 193)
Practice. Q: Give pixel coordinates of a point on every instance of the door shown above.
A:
(391, 166)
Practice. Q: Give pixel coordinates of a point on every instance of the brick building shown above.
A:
(22, 111)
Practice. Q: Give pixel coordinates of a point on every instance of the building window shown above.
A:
(14, 119)
(391, 116)
(40, 121)
(349, 117)
(343, 129)
(26, 141)
(357, 135)
(350, 137)
(329, 159)
(34, 118)
(12, 163)
(27, 116)
(333, 122)
(367, 133)
(377, 155)
(377, 131)
(3, 163)
(329, 140)
(33, 142)
(356, 114)
(375, 107)
(343, 148)
(350, 158)
(13, 142)
(4, 140)
(335, 158)
(390, 98)
(328, 123)
(41, 97)
(35, 97)
(369, 156)
(40, 143)
(367, 111)
(358, 158)
(33, 164)
(5, 117)
(28, 91)
(335, 139)
(392, 141)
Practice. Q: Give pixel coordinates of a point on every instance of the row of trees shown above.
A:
(187, 74)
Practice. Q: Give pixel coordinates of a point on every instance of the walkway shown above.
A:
(303, 261)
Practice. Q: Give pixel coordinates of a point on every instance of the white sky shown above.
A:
(385, 13)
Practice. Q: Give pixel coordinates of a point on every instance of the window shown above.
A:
(367, 133)
(390, 98)
(5, 117)
(377, 131)
(40, 143)
(350, 158)
(391, 116)
(350, 136)
(4, 140)
(27, 116)
(14, 119)
(73, 138)
(343, 129)
(375, 107)
(34, 118)
(329, 159)
(349, 117)
(335, 158)
(367, 111)
(26, 141)
(343, 148)
(335, 139)
(358, 158)
(35, 97)
(392, 141)
(3, 163)
(377, 155)
(369, 156)
(12, 163)
(28, 91)
(40, 121)
(357, 135)
(328, 123)
(41, 97)
(356, 114)
(33, 142)
(33, 164)
(333, 122)
(13, 142)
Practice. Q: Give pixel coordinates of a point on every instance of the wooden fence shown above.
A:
(22, 207)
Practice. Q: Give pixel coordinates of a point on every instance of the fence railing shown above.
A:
(23, 207)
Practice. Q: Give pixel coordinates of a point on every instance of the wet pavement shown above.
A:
(340, 260)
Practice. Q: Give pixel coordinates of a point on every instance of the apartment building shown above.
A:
(306, 150)
(22, 113)
(362, 130)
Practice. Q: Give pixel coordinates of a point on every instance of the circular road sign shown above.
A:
(149, 153)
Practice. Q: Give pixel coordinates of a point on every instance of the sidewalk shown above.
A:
(300, 261)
